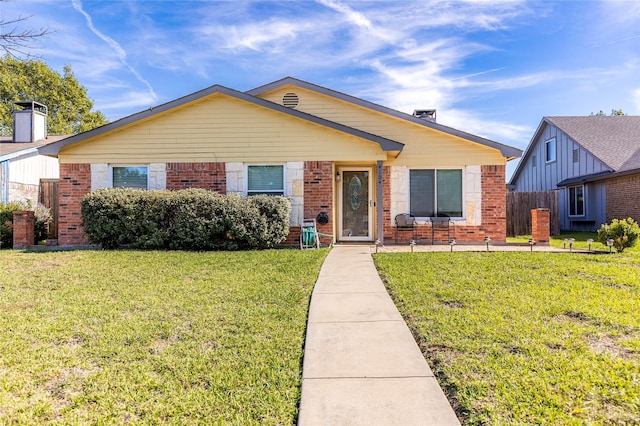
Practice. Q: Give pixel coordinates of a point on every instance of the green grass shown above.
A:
(113, 337)
(526, 338)
(579, 243)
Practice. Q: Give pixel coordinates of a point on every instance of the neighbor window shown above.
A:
(576, 201)
(265, 179)
(435, 192)
(130, 176)
(550, 147)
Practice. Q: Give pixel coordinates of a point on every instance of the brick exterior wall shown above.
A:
(494, 213)
(318, 198)
(24, 224)
(75, 182)
(623, 198)
(540, 229)
(211, 176)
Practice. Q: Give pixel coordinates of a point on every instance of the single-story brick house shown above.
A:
(350, 163)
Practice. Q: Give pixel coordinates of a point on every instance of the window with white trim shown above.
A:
(265, 179)
(550, 150)
(435, 192)
(576, 200)
(130, 177)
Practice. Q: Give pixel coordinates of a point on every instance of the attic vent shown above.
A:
(426, 114)
(290, 100)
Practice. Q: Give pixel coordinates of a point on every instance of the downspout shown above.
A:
(379, 204)
(4, 181)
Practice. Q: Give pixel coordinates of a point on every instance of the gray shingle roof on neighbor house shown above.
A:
(615, 140)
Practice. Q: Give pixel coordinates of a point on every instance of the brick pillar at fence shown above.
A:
(24, 223)
(540, 228)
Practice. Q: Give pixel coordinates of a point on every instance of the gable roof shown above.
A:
(53, 149)
(614, 140)
(508, 152)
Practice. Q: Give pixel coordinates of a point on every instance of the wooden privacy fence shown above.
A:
(519, 206)
(48, 197)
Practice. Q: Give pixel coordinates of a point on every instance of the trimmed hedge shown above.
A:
(41, 227)
(191, 219)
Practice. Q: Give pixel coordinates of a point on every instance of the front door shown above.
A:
(356, 204)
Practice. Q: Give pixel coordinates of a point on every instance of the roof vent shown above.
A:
(425, 114)
(29, 121)
(290, 100)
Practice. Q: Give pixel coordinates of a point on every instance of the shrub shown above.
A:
(41, 227)
(192, 219)
(623, 232)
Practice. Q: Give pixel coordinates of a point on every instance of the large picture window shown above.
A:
(435, 192)
(130, 176)
(265, 179)
(576, 200)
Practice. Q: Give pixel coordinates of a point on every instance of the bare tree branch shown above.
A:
(16, 41)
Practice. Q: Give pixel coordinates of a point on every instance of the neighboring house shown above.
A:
(593, 161)
(351, 164)
(21, 166)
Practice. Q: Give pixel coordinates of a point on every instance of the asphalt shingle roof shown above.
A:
(615, 140)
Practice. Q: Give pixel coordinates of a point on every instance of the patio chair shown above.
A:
(405, 222)
(440, 222)
(309, 238)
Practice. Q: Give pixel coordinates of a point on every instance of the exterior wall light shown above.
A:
(337, 176)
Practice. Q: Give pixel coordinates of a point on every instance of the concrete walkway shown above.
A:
(361, 363)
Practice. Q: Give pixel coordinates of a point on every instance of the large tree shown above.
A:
(70, 109)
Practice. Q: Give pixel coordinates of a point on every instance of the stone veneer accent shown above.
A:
(484, 198)
(317, 197)
(101, 176)
(294, 185)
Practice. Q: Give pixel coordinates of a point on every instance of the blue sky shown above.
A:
(492, 68)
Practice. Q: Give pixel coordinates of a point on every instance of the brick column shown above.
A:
(24, 234)
(540, 229)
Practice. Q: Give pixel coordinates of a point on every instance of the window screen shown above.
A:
(130, 177)
(434, 192)
(265, 180)
(449, 189)
(422, 193)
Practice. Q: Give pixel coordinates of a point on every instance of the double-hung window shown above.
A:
(435, 192)
(265, 179)
(576, 200)
(130, 176)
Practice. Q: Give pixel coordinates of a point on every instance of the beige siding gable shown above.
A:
(221, 128)
(423, 146)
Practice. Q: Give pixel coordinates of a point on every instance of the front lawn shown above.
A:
(113, 337)
(526, 338)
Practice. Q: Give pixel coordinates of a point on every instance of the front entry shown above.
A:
(356, 204)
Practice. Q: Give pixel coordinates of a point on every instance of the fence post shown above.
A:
(24, 233)
(540, 228)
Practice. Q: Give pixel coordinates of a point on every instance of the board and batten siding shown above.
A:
(220, 128)
(424, 147)
(545, 176)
